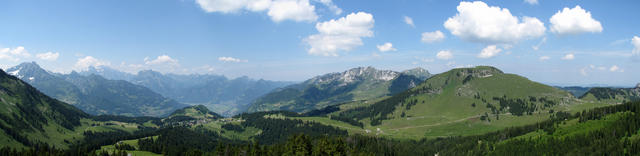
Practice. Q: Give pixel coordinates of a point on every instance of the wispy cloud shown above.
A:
(231, 59)
(48, 56)
(409, 21)
(544, 58)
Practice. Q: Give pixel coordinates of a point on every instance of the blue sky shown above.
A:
(298, 39)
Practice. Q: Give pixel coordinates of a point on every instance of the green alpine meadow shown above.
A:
(319, 77)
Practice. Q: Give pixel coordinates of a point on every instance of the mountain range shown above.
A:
(355, 84)
(612, 95)
(219, 93)
(467, 103)
(577, 91)
(95, 94)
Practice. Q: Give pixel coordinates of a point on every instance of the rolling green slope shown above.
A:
(463, 101)
(27, 116)
(190, 116)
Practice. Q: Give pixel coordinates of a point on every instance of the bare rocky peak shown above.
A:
(357, 74)
(480, 71)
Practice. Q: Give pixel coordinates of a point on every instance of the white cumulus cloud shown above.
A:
(409, 21)
(574, 21)
(230, 59)
(162, 59)
(444, 55)
(478, 22)
(296, 10)
(5, 56)
(569, 56)
(20, 51)
(489, 51)
(14, 54)
(278, 10)
(386, 47)
(342, 34)
(430, 37)
(88, 61)
(48, 56)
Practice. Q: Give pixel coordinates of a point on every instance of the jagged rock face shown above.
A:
(638, 85)
(356, 74)
(420, 73)
(480, 72)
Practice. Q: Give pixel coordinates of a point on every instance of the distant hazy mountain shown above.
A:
(95, 94)
(334, 88)
(612, 95)
(577, 91)
(220, 94)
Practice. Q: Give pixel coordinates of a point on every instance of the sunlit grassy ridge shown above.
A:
(458, 102)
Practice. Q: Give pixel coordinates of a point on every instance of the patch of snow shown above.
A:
(15, 73)
(31, 78)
